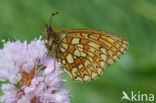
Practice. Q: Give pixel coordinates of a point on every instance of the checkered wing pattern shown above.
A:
(84, 54)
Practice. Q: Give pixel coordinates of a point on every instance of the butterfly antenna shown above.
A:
(53, 14)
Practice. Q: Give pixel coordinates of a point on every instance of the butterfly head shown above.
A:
(47, 30)
(50, 35)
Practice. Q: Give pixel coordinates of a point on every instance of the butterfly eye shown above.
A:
(48, 30)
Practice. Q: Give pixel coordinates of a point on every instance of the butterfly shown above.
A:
(84, 54)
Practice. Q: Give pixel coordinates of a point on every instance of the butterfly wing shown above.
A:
(84, 54)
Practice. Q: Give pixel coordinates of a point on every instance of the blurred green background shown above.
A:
(135, 20)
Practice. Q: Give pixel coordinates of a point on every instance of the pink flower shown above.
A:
(37, 74)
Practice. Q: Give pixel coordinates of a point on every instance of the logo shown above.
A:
(137, 96)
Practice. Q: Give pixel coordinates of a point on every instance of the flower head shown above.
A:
(34, 77)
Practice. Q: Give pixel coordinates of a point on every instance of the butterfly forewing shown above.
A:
(84, 54)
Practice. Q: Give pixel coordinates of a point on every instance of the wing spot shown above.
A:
(85, 35)
(62, 49)
(78, 78)
(103, 50)
(93, 37)
(83, 54)
(77, 53)
(99, 70)
(79, 47)
(82, 69)
(75, 71)
(114, 56)
(65, 45)
(63, 61)
(70, 58)
(91, 54)
(124, 42)
(88, 66)
(92, 44)
(92, 49)
(104, 57)
(87, 78)
(75, 41)
(102, 63)
(94, 75)
(80, 66)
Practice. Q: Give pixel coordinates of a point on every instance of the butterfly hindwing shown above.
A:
(85, 54)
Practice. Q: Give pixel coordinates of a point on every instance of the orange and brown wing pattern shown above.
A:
(85, 54)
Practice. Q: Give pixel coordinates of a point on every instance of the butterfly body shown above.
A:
(84, 54)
